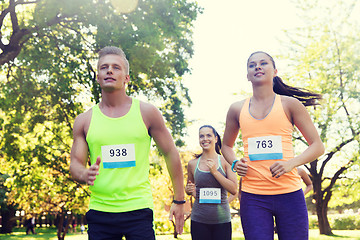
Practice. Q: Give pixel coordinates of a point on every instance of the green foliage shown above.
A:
(344, 189)
(3, 189)
(338, 221)
(324, 57)
(164, 226)
(313, 222)
(346, 222)
(52, 79)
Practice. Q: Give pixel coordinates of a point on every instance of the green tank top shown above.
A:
(123, 143)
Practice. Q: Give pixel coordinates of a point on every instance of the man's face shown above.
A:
(112, 73)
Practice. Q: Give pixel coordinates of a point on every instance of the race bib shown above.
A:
(118, 156)
(265, 148)
(210, 195)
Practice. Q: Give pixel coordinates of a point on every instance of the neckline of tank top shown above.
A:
(115, 118)
(259, 119)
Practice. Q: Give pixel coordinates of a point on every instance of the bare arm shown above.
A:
(303, 122)
(232, 197)
(233, 187)
(239, 193)
(231, 132)
(157, 129)
(229, 182)
(79, 153)
(190, 186)
(306, 179)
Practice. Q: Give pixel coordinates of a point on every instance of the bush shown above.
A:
(164, 226)
(345, 222)
(236, 224)
(313, 222)
(338, 222)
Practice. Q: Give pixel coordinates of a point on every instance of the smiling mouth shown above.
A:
(109, 79)
(259, 73)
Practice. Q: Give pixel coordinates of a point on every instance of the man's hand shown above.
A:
(177, 210)
(92, 172)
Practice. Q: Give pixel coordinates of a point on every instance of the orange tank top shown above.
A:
(267, 141)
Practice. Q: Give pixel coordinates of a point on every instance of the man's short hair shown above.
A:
(112, 50)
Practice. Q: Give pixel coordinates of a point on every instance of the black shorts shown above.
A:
(203, 231)
(134, 225)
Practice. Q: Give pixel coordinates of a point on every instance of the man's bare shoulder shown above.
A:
(82, 122)
(84, 116)
(147, 108)
(150, 114)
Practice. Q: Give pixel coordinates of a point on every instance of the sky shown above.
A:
(224, 36)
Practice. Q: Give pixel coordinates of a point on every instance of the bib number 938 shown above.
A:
(118, 156)
(118, 152)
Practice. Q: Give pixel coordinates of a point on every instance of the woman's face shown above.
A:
(207, 138)
(260, 68)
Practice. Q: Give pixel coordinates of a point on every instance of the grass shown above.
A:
(41, 234)
(50, 234)
(314, 235)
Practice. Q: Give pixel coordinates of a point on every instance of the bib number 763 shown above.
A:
(265, 148)
(264, 144)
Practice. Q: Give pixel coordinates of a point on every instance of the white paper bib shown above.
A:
(265, 148)
(210, 195)
(118, 156)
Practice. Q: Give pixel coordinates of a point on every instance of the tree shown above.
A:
(66, 34)
(325, 56)
(48, 48)
(7, 211)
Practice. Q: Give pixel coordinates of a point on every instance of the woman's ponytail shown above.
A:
(306, 97)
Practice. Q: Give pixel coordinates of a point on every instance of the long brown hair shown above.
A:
(217, 144)
(306, 97)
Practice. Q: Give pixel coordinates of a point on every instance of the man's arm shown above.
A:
(158, 131)
(79, 153)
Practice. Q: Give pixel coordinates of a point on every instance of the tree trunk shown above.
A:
(8, 218)
(63, 225)
(321, 211)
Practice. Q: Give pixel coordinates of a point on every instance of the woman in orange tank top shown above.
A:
(271, 186)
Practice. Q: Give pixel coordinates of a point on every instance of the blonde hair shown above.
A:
(111, 50)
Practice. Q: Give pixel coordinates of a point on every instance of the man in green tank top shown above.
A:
(117, 133)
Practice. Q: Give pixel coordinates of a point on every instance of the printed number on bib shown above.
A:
(118, 156)
(210, 195)
(265, 148)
